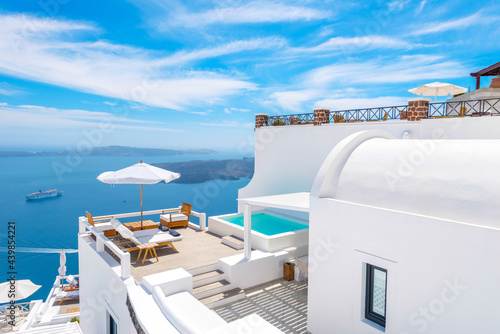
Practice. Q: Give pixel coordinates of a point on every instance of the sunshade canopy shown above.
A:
(23, 289)
(438, 89)
(141, 173)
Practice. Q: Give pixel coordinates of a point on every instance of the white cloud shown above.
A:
(359, 103)
(115, 71)
(249, 12)
(292, 101)
(229, 124)
(421, 6)
(402, 69)
(397, 4)
(230, 110)
(30, 116)
(358, 43)
(462, 23)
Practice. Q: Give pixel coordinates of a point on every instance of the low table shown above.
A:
(146, 225)
(149, 247)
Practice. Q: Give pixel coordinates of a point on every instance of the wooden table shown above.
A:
(146, 225)
(149, 247)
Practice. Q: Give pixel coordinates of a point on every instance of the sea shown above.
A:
(44, 227)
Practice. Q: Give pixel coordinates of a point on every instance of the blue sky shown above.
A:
(179, 74)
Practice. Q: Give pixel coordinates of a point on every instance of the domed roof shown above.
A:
(450, 179)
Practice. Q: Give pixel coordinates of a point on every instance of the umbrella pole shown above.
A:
(141, 206)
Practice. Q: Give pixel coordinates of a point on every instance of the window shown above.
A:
(376, 294)
(113, 327)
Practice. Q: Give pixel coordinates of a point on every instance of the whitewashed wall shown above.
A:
(287, 158)
(443, 276)
(102, 291)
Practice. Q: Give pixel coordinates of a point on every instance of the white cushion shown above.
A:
(114, 222)
(159, 238)
(124, 232)
(176, 217)
(103, 227)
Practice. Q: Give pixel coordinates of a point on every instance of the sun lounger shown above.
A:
(68, 295)
(146, 240)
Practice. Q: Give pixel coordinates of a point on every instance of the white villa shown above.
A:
(394, 212)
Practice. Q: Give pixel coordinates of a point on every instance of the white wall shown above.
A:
(287, 158)
(442, 275)
(102, 291)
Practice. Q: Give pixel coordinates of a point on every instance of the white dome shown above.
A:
(450, 179)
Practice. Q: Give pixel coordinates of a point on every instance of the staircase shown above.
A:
(211, 288)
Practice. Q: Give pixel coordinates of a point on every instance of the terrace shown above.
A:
(197, 248)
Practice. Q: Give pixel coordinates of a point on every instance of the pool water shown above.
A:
(268, 224)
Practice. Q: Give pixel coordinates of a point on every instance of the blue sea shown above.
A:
(44, 227)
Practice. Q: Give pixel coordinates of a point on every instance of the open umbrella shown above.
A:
(140, 173)
(438, 89)
(22, 289)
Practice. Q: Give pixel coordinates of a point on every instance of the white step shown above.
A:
(203, 269)
(223, 298)
(233, 242)
(207, 278)
(211, 289)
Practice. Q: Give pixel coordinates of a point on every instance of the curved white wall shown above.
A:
(287, 158)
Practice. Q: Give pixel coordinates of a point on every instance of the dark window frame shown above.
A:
(113, 326)
(369, 314)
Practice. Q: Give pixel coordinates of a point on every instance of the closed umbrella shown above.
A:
(21, 289)
(438, 89)
(62, 264)
(140, 173)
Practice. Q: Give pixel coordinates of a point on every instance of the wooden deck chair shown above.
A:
(177, 219)
(104, 226)
(338, 119)
(462, 112)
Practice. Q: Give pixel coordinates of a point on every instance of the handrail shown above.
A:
(471, 108)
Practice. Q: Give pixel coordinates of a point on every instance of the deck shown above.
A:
(196, 249)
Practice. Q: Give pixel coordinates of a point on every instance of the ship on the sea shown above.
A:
(44, 194)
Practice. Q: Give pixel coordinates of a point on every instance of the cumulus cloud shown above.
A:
(111, 70)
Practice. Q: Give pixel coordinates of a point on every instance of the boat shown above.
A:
(44, 194)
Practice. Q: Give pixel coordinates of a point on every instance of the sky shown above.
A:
(192, 74)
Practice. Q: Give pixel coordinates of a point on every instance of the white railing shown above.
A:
(102, 241)
(201, 216)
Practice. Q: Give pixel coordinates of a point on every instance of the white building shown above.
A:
(401, 217)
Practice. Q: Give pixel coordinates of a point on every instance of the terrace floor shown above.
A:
(196, 249)
(281, 303)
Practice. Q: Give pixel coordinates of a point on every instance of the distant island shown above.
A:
(110, 151)
(199, 171)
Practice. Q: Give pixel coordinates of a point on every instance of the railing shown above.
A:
(291, 119)
(103, 242)
(368, 114)
(472, 108)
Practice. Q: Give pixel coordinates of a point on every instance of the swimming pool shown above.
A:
(271, 231)
(268, 224)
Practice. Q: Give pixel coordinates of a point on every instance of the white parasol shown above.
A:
(140, 173)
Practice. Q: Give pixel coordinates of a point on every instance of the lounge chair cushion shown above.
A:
(176, 217)
(158, 238)
(115, 223)
(101, 227)
(124, 232)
